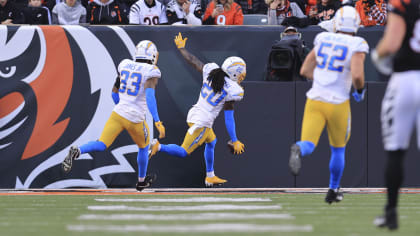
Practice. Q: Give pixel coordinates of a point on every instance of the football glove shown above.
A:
(179, 41)
(237, 147)
(161, 129)
(383, 64)
(359, 95)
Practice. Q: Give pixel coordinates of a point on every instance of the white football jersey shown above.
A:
(332, 75)
(209, 104)
(142, 14)
(133, 76)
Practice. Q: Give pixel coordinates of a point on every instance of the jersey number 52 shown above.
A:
(340, 52)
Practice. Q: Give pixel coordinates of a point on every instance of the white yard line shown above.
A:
(194, 199)
(184, 208)
(188, 217)
(213, 228)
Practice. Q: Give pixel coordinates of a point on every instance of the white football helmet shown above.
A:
(147, 50)
(235, 67)
(347, 20)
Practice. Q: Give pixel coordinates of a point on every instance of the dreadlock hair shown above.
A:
(216, 79)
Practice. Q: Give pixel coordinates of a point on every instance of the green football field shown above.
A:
(204, 213)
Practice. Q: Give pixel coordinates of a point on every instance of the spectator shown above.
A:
(310, 9)
(36, 14)
(326, 9)
(106, 12)
(148, 12)
(372, 12)
(278, 10)
(223, 12)
(252, 6)
(10, 14)
(183, 12)
(70, 12)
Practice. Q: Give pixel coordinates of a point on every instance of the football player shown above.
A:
(135, 84)
(398, 52)
(148, 12)
(220, 90)
(334, 64)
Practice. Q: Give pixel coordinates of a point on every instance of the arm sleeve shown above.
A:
(162, 18)
(207, 19)
(230, 125)
(239, 16)
(192, 19)
(272, 17)
(297, 11)
(151, 103)
(133, 16)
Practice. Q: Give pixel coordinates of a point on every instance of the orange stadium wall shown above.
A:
(56, 92)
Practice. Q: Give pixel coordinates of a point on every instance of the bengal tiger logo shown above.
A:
(53, 82)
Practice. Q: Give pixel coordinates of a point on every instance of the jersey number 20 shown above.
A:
(212, 99)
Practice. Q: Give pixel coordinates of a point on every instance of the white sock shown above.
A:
(210, 174)
(141, 179)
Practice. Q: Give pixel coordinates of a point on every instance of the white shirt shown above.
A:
(209, 104)
(141, 14)
(332, 75)
(133, 76)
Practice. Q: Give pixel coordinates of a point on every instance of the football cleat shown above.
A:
(214, 181)
(295, 159)
(333, 196)
(146, 183)
(73, 154)
(154, 148)
(389, 220)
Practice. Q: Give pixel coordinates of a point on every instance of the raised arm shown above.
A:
(191, 59)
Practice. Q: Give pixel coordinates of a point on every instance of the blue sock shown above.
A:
(306, 147)
(173, 150)
(337, 162)
(92, 146)
(209, 155)
(142, 161)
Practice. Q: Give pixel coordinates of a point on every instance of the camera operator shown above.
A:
(286, 57)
